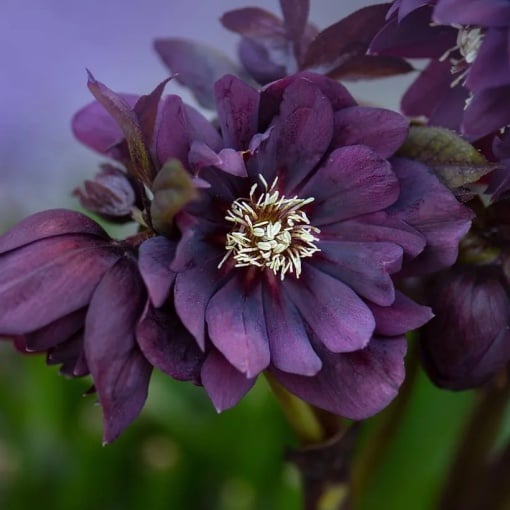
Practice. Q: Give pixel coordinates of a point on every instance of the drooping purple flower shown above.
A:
(286, 263)
(466, 84)
(88, 302)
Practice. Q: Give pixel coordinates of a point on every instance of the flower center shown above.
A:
(270, 231)
(469, 40)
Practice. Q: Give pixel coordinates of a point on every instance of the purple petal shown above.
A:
(168, 346)
(353, 181)
(120, 372)
(295, 16)
(237, 105)
(55, 333)
(228, 160)
(69, 355)
(97, 129)
(196, 66)
(356, 385)
(473, 12)
(300, 136)
(49, 279)
(487, 112)
(236, 326)
(154, 258)
(377, 227)
(381, 130)
(429, 207)
(256, 60)
(289, 342)
(177, 126)
(338, 317)
(54, 222)
(402, 316)
(364, 267)
(361, 67)
(223, 383)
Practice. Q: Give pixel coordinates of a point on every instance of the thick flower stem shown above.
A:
(471, 466)
(324, 458)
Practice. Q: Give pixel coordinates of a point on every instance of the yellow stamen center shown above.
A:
(270, 231)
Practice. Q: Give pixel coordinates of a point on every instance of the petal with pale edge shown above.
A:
(120, 372)
(353, 181)
(355, 385)
(236, 325)
(291, 350)
(48, 279)
(365, 267)
(223, 383)
(335, 313)
(55, 222)
(154, 258)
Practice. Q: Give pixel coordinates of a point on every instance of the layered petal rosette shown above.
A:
(286, 263)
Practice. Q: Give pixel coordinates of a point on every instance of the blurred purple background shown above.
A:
(44, 50)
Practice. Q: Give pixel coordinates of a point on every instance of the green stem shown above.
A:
(386, 427)
(462, 489)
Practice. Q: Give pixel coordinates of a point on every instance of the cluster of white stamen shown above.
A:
(469, 40)
(270, 231)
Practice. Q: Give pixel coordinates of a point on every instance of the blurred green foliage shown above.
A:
(180, 454)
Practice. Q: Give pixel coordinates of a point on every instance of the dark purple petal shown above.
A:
(468, 341)
(295, 16)
(402, 316)
(154, 258)
(362, 67)
(48, 279)
(429, 207)
(255, 59)
(345, 38)
(237, 105)
(364, 267)
(353, 181)
(195, 65)
(97, 129)
(55, 333)
(177, 126)
(291, 350)
(120, 372)
(381, 130)
(55, 222)
(414, 37)
(354, 385)
(473, 12)
(487, 112)
(195, 285)
(338, 317)
(168, 346)
(70, 356)
(299, 138)
(223, 383)
(228, 160)
(236, 326)
(377, 227)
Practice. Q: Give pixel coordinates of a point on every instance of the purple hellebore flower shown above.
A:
(466, 85)
(286, 263)
(69, 290)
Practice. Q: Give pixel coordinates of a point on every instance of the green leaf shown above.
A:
(172, 188)
(454, 160)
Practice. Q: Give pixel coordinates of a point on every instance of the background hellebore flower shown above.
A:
(466, 84)
(286, 262)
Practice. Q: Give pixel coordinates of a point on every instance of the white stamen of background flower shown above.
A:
(469, 40)
(270, 231)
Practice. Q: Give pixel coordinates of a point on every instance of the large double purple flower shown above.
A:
(285, 264)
